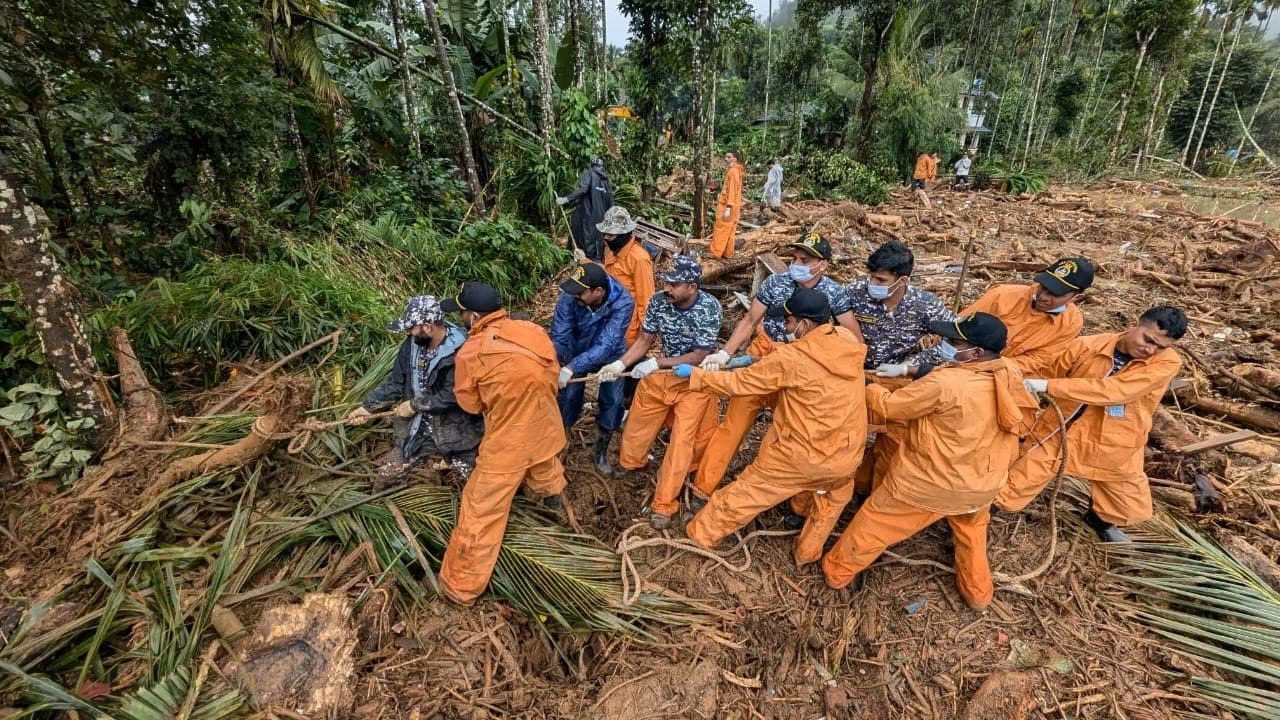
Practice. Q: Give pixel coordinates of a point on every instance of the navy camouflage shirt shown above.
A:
(682, 331)
(892, 335)
(779, 286)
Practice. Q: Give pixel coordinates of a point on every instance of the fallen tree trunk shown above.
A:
(727, 268)
(1259, 375)
(285, 412)
(1253, 558)
(1262, 418)
(144, 412)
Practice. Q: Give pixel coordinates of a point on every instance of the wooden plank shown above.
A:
(1217, 441)
(766, 264)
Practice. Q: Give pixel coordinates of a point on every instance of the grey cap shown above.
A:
(685, 270)
(420, 310)
(617, 221)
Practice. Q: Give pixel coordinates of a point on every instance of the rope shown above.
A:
(633, 582)
(300, 437)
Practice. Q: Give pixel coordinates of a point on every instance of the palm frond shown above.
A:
(1212, 609)
(545, 571)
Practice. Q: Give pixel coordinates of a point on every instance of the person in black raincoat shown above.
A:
(593, 196)
(427, 420)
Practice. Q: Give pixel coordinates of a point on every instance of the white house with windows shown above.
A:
(975, 102)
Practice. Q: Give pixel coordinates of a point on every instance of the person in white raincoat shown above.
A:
(773, 185)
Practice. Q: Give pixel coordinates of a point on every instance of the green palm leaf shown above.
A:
(1210, 608)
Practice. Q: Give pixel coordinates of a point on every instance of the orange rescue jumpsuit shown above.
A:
(1035, 338)
(923, 165)
(731, 198)
(506, 370)
(1105, 443)
(739, 416)
(633, 269)
(813, 447)
(664, 399)
(962, 428)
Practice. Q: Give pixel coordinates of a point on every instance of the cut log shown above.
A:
(1252, 558)
(886, 220)
(144, 412)
(1258, 375)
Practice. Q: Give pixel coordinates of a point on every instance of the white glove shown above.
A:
(561, 200)
(714, 361)
(405, 410)
(610, 372)
(727, 213)
(566, 373)
(359, 416)
(644, 368)
(1036, 386)
(891, 370)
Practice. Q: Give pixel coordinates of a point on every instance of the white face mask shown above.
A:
(1056, 311)
(800, 273)
(881, 292)
(948, 351)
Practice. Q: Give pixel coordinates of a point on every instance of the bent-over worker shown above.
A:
(589, 331)
(810, 259)
(420, 386)
(1107, 387)
(688, 321)
(506, 370)
(963, 422)
(819, 427)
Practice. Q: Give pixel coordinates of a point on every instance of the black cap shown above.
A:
(474, 296)
(803, 303)
(1067, 275)
(586, 276)
(982, 329)
(814, 244)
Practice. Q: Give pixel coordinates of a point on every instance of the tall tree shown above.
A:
(451, 91)
(1204, 92)
(541, 33)
(49, 299)
(406, 78)
(1213, 102)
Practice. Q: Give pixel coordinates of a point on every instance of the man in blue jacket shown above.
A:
(427, 420)
(589, 331)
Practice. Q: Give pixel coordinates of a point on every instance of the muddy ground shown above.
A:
(778, 643)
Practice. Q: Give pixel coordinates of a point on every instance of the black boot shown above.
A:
(554, 503)
(1106, 531)
(600, 453)
(792, 520)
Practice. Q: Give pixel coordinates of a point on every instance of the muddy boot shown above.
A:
(391, 473)
(600, 453)
(658, 521)
(792, 520)
(692, 508)
(1106, 531)
(554, 503)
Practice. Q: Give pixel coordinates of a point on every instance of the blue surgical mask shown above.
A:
(880, 292)
(800, 273)
(948, 351)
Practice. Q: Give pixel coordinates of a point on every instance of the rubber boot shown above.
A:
(1106, 531)
(600, 453)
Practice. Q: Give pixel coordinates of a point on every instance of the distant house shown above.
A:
(975, 101)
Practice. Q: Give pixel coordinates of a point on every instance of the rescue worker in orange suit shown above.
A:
(819, 427)
(1107, 387)
(1041, 318)
(811, 256)
(926, 169)
(728, 208)
(506, 370)
(963, 422)
(688, 320)
(626, 260)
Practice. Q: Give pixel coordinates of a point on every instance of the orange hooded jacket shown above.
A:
(1106, 441)
(507, 370)
(633, 269)
(1035, 337)
(820, 419)
(963, 423)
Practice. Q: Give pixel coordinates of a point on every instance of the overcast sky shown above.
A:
(616, 23)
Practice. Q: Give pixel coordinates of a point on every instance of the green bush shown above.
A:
(58, 452)
(844, 177)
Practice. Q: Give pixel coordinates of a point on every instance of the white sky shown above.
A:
(616, 24)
